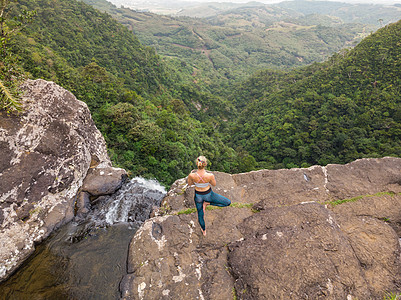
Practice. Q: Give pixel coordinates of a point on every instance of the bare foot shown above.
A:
(204, 232)
(204, 206)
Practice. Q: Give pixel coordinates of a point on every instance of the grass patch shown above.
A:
(354, 199)
(392, 296)
(234, 292)
(241, 205)
(187, 211)
(211, 207)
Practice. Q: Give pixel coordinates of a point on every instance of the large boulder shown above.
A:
(304, 252)
(314, 233)
(363, 177)
(169, 258)
(46, 152)
(269, 188)
(104, 181)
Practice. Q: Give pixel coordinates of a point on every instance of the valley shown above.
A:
(297, 106)
(243, 38)
(251, 86)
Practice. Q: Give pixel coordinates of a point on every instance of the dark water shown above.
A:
(89, 269)
(86, 259)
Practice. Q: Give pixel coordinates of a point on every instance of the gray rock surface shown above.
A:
(385, 207)
(169, 258)
(83, 204)
(45, 154)
(304, 252)
(300, 245)
(104, 181)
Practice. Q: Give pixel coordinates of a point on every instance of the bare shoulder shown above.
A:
(211, 179)
(210, 175)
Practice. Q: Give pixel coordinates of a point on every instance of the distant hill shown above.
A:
(213, 9)
(374, 14)
(333, 112)
(348, 11)
(239, 39)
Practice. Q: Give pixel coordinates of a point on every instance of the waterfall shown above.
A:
(131, 204)
(86, 258)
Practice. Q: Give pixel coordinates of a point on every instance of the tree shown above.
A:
(9, 26)
(9, 71)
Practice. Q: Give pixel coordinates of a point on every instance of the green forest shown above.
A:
(238, 40)
(157, 118)
(346, 108)
(136, 100)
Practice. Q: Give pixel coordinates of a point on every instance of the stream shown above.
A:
(86, 258)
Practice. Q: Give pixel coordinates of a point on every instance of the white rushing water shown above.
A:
(132, 203)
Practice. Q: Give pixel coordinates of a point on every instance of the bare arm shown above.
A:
(213, 180)
(190, 181)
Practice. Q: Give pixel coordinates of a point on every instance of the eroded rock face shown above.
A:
(170, 259)
(303, 252)
(298, 246)
(45, 155)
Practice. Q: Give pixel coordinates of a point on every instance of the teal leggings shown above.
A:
(213, 199)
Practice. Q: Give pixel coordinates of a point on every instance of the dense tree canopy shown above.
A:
(10, 73)
(334, 112)
(137, 101)
(156, 121)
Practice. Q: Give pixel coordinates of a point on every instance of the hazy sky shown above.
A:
(263, 1)
(168, 5)
(275, 1)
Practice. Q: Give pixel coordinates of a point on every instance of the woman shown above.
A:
(203, 192)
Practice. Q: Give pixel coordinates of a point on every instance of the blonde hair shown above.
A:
(201, 162)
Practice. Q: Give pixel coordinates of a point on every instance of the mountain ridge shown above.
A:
(337, 111)
(237, 42)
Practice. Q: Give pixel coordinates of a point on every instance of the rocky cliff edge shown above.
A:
(317, 233)
(46, 154)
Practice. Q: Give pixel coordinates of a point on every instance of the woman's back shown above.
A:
(202, 179)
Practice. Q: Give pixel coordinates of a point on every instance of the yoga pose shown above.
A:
(203, 192)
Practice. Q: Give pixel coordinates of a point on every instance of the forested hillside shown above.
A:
(334, 112)
(239, 39)
(136, 100)
(158, 113)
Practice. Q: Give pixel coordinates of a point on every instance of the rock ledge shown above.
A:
(298, 246)
(46, 154)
